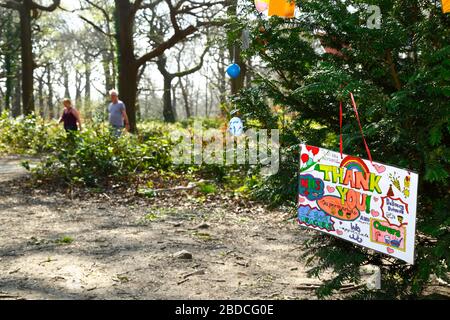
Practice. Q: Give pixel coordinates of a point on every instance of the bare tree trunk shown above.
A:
(87, 76)
(196, 104)
(168, 112)
(128, 69)
(169, 115)
(235, 54)
(9, 80)
(41, 95)
(16, 105)
(221, 81)
(238, 83)
(211, 100)
(112, 65)
(109, 83)
(206, 97)
(10, 62)
(175, 100)
(27, 57)
(128, 64)
(78, 102)
(66, 82)
(25, 8)
(146, 107)
(185, 94)
(51, 111)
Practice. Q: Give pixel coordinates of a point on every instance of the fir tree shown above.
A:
(400, 76)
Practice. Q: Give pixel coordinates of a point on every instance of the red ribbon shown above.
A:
(355, 108)
(340, 121)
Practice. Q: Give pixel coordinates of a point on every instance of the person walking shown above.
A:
(118, 118)
(70, 117)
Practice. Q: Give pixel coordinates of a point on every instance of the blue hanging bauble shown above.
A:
(234, 71)
(236, 127)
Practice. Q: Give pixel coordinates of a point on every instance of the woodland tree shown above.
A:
(28, 10)
(186, 18)
(9, 52)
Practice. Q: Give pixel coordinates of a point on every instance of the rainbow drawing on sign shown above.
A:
(354, 163)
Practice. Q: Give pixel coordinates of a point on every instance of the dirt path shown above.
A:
(113, 247)
(10, 168)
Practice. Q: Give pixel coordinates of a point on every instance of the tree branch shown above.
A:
(96, 6)
(96, 27)
(11, 4)
(177, 37)
(194, 69)
(49, 8)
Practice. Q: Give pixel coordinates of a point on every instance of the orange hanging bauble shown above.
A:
(446, 6)
(282, 8)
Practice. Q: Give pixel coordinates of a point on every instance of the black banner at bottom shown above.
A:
(187, 310)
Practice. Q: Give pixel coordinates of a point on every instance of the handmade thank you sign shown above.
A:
(367, 203)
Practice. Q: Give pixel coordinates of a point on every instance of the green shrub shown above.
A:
(95, 158)
(64, 240)
(208, 123)
(27, 134)
(207, 188)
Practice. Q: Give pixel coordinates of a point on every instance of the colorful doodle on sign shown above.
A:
(315, 218)
(354, 163)
(395, 211)
(334, 207)
(383, 233)
(311, 188)
(371, 204)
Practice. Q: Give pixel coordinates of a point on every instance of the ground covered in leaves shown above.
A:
(177, 243)
(113, 245)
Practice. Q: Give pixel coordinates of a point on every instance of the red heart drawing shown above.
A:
(380, 169)
(391, 251)
(305, 158)
(375, 213)
(331, 189)
(301, 200)
(314, 150)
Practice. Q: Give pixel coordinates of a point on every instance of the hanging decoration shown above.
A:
(234, 70)
(261, 5)
(446, 6)
(282, 8)
(236, 127)
(367, 203)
